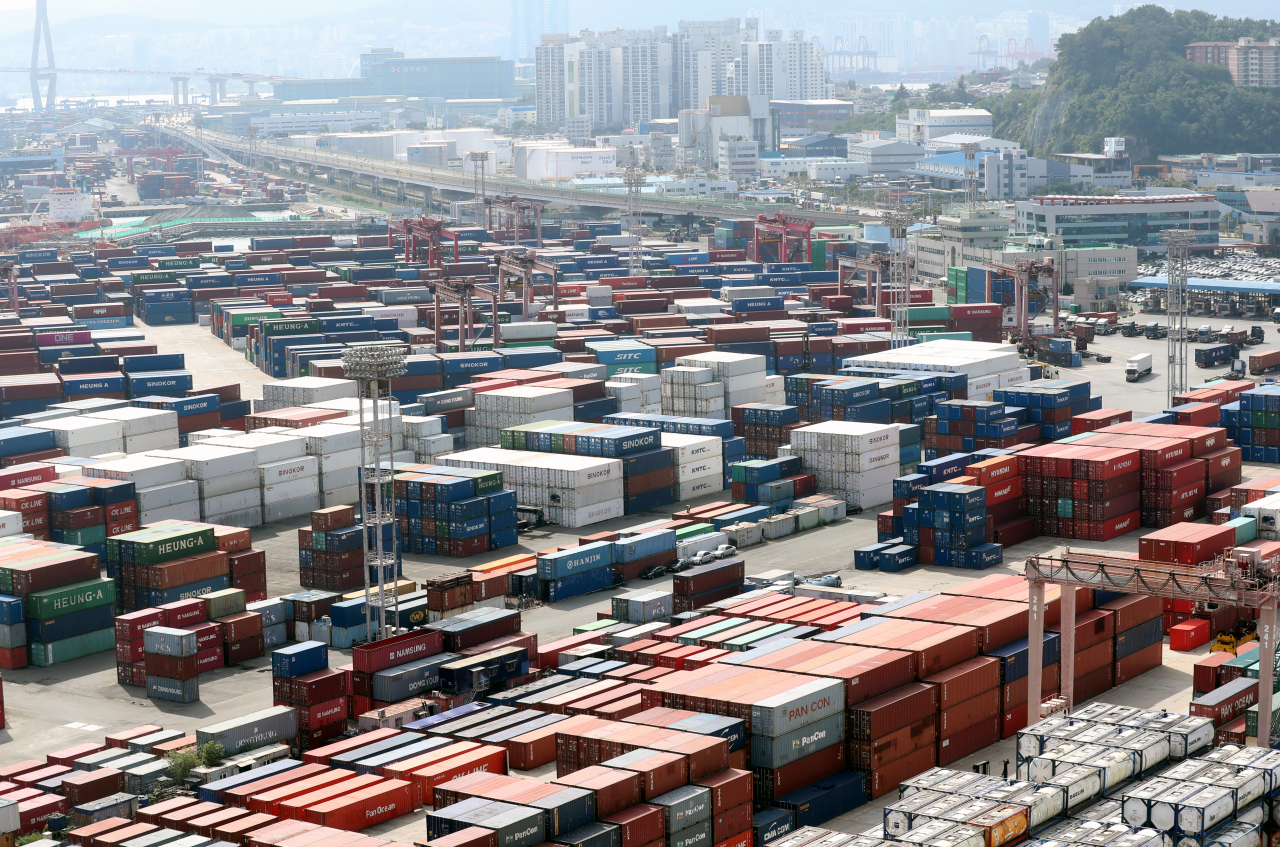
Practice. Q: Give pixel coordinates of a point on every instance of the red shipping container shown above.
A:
(1209, 542)
(1204, 675)
(1136, 664)
(472, 836)
(84, 835)
(322, 714)
(731, 822)
(1091, 685)
(966, 680)
(889, 712)
(131, 625)
(963, 715)
(240, 626)
(209, 660)
(729, 788)
(242, 651)
(240, 830)
(269, 801)
(34, 813)
(871, 754)
(614, 789)
(398, 650)
(487, 758)
(885, 779)
(205, 824)
(208, 634)
(1092, 628)
(770, 783)
(70, 754)
(641, 824)
(295, 808)
(741, 840)
(1189, 635)
(183, 612)
(85, 786)
(1133, 609)
(240, 795)
(969, 740)
(1097, 656)
(130, 652)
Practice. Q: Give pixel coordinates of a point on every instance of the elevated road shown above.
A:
(399, 179)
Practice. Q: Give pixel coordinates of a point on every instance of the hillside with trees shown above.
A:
(1128, 76)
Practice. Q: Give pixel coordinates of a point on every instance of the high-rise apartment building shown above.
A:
(531, 19)
(1251, 63)
(549, 80)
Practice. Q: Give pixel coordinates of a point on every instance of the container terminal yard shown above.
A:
(446, 534)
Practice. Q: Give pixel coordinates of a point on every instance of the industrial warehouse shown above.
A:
(374, 474)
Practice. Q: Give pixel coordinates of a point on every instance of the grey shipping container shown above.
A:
(144, 743)
(802, 705)
(132, 761)
(566, 810)
(140, 779)
(698, 835)
(100, 759)
(519, 827)
(122, 805)
(177, 690)
(167, 641)
(273, 611)
(684, 806)
(269, 726)
(155, 839)
(784, 749)
(593, 835)
(275, 635)
(348, 759)
(373, 763)
(405, 681)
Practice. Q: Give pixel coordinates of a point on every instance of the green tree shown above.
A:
(181, 763)
(960, 89)
(884, 121)
(901, 94)
(211, 754)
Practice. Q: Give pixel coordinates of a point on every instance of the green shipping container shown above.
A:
(1246, 529)
(928, 313)
(174, 263)
(1251, 718)
(818, 253)
(69, 649)
(160, 544)
(252, 316)
(594, 626)
(291, 326)
(147, 277)
(228, 601)
(81, 537)
(71, 598)
(944, 336)
(693, 531)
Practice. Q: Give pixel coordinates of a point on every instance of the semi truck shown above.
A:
(1137, 367)
(1264, 363)
(1218, 354)
(1154, 330)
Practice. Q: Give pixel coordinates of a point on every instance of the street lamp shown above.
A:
(370, 367)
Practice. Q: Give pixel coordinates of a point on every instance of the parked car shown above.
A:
(724, 551)
(681, 565)
(703, 557)
(653, 571)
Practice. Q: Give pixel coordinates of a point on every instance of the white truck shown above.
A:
(1137, 367)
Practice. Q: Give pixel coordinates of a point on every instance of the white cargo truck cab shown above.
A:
(1137, 367)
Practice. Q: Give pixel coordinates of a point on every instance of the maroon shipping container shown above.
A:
(1091, 685)
(969, 741)
(882, 715)
(240, 626)
(770, 783)
(729, 788)
(1136, 664)
(1015, 693)
(659, 772)
(183, 612)
(179, 818)
(151, 814)
(1097, 656)
(968, 713)
(966, 680)
(131, 625)
(885, 779)
(322, 714)
(614, 789)
(208, 634)
(731, 822)
(72, 567)
(1092, 627)
(871, 755)
(172, 667)
(240, 830)
(70, 754)
(1133, 609)
(123, 834)
(707, 577)
(247, 561)
(85, 786)
(242, 651)
(309, 689)
(122, 738)
(398, 650)
(84, 835)
(639, 825)
(472, 836)
(1204, 675)
(205, 824)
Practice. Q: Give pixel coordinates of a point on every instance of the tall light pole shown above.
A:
(634, 181)
(1178, 242)
(898, 220)
(370, 367)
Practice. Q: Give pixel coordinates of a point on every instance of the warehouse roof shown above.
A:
(1237, 286)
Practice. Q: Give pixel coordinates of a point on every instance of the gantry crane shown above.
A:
(1022, 271)
(791, 235)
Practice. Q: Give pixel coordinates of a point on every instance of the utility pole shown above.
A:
(1178, 242)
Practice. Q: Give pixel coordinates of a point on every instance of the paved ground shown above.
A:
(56, 707)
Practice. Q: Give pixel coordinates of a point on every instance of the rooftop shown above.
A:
(1239, 287)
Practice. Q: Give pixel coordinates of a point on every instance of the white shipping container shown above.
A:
(290, 490)
(330, 462)
(850, 462)
(136, 421)
(233, 502)
(587, 515)
(692, 448)
(688, 489)
(421, 427)
(10, 820)
(708, 541)
(578, 370)
(229, 484)
(696, 470)
(725, 364)
(194, 438)
(869, 498)
(75, 432)
(529, 330)
(340, 496)
(267, 448)
(10, 523)
(340, 478)
(525, 399)
(737, 397)
(168, 494)
(279, 510)
(142, 471)
(165, 439)
(305, 390)
(647, 382)
(188, 511)
(326, 439)
(685, 375)
(245, 517)
(844, 437)
(274, 473)
(100, 450)
(206, 461)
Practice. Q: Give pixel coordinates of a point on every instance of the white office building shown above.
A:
(920, 126)
(736, 157)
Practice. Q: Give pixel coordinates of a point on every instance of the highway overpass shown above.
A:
(405, 182)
